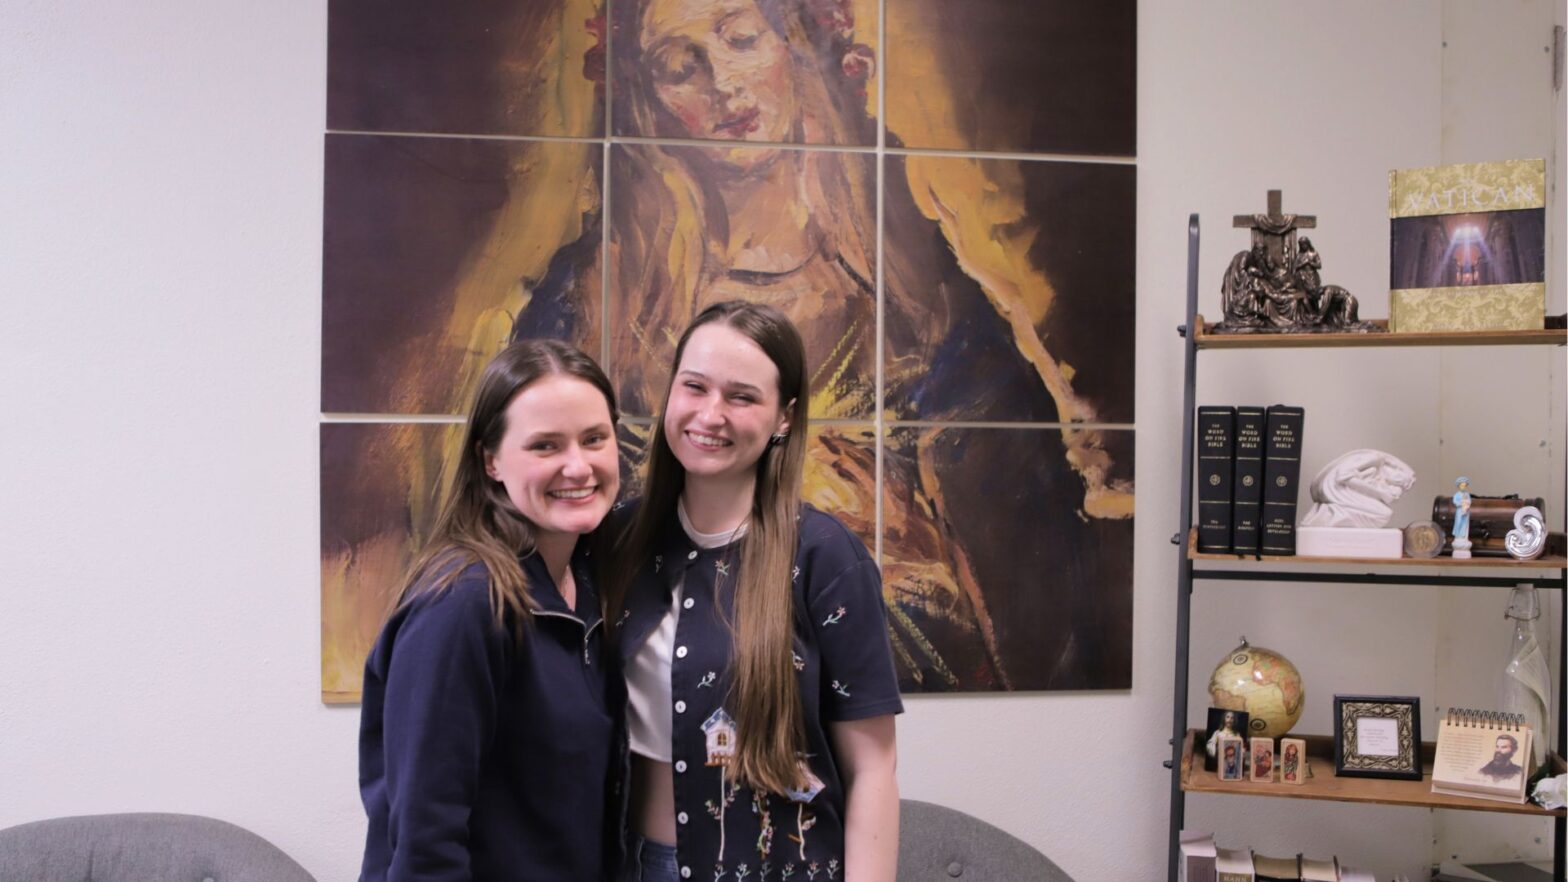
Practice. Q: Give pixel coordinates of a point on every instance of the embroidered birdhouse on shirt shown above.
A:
(813, 785)
(720, 729)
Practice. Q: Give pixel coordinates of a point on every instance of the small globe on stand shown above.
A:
(1261, 682)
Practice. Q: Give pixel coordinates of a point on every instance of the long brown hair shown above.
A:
(478, 521)
(763, 693)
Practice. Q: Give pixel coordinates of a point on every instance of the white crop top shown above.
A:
(649, 715)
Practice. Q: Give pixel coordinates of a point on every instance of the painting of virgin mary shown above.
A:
(968, 318)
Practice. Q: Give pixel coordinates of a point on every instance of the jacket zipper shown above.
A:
(587, 629)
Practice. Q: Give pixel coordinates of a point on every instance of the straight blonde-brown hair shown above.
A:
(478, 522)
(764, 695)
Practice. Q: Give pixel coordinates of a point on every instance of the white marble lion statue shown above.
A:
(1355, 489)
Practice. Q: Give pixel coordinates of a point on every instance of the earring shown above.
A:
(778, 438)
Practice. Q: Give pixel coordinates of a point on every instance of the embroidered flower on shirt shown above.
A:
(726, 797)
(722, 567)
(805, 819)
(759, 807)
(789, 870)
(841, 688)
(707, 680)
(833, 868)
(812, 870)
(834, 619)
(800, 663)
(741, 872)
(794, 575)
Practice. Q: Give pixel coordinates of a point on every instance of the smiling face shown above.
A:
(724, 404)
(721, 70)
(557, 457)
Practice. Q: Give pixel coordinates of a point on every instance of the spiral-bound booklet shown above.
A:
(1484, 754)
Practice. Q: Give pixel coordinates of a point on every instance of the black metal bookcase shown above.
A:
(1265, 569)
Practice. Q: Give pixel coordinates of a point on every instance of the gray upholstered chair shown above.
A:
(937, 844)
(140, 848)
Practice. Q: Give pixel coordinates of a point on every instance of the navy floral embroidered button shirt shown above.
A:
(845, 668)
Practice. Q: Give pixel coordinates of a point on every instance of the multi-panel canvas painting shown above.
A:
(600, 171)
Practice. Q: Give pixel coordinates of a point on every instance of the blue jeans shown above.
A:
(651, 861)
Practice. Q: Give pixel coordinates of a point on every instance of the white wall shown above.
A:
(160, 207)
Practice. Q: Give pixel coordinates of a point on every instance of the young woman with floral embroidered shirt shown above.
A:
(752, 631)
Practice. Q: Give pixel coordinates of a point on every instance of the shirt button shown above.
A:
(692, 556)
(680, 818)
(680, 707)
(680, 765)
(680, 652)
(688, 603)
(685, 872)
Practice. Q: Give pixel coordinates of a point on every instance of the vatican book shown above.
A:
(1247, 481)
(1484, 754)
(1468, 247)
(1281, 479)
(1216, 446)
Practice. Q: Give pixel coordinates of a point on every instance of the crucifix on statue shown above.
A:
(1275, 285)
(1275, 231)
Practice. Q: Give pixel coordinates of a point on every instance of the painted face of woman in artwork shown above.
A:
(722, 71)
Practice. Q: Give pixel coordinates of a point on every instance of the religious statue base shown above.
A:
(1461, 549)
(1374, 542)
(1354, 328)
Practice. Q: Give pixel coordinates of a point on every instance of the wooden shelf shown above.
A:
(1205, 338)
(1544, 562)
(1322, 783)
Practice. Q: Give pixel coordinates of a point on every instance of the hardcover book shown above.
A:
(1247, 481)
(1468, 247)
(1234, 865)
(1197, 857)
(1273, 869)
(1281, 477)
(1216, 447)
(1482, 754)
(1323, 871)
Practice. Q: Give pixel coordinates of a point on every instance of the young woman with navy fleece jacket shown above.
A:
(488, 728)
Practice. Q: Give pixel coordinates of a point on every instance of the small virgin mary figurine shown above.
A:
(1461, 518)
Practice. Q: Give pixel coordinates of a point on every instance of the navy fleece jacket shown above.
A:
(483, 757)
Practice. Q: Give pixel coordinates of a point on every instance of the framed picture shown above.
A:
(1292, 761)
(1221, 722)
(1377, 736)
(1233, 758)
(1263, 760)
